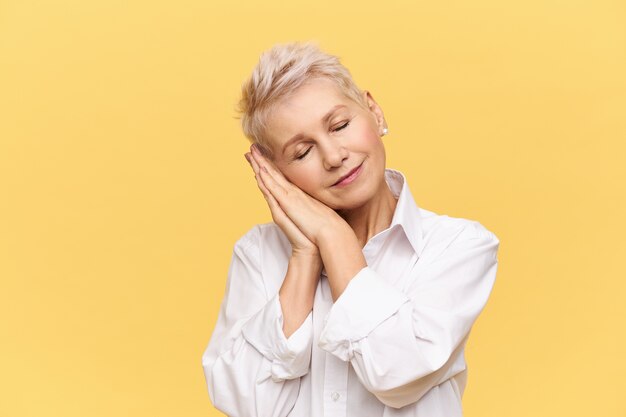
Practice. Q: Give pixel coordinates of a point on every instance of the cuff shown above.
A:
(365, 303)
(290, 357)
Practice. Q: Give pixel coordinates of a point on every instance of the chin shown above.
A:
(360, 197)
(353, 203)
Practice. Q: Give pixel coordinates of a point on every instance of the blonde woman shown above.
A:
(354, 301)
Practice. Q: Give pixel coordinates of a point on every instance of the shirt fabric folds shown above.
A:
(391, 345)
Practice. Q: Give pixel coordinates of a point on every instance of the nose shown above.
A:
(333, 153)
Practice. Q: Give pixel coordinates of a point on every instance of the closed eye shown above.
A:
(304, 154)
(342, 126)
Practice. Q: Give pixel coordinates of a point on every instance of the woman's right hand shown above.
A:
(300, 244)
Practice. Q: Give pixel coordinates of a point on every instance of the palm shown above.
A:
(300, 243)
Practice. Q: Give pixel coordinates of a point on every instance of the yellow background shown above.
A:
(124, 187)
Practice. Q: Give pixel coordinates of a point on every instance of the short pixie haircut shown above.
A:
(279, 72)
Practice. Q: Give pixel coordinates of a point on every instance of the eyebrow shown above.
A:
(324, 120)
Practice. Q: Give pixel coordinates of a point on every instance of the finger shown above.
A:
(271, 169)
(262, 181)
(252, 162)
(270, 184)
(282, 196)
(278, 214)
(285, 192)
(293, 201)
(277, 211)
(257, 176)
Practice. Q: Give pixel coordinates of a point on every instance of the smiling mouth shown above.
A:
(349, 177)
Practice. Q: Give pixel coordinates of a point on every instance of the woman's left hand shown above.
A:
(310, 215)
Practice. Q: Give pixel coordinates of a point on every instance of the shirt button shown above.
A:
(334, 396)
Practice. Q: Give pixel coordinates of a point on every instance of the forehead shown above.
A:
(302, 110)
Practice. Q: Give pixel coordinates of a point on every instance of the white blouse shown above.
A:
(391, 345)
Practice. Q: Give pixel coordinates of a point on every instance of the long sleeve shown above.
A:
(251, 368)
(402, 342)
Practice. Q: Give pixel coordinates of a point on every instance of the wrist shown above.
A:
(334, 231)
(304, 260)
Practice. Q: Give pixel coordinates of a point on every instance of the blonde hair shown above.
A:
(279, 72)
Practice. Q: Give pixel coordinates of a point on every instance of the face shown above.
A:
(318, 135)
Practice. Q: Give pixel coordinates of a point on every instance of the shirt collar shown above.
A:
(407, 213)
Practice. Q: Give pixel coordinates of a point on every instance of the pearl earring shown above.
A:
(385, 130)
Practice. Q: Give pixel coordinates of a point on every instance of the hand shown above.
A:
(298, 213)
(300, 244)
(291, 207)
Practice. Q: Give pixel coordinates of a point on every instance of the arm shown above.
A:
(250, 367)
(298, 290)
(401, 343)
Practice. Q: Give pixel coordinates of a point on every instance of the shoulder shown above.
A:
(440, 231)
(260, 233)
(268, 250)
(264, 241)
(442, 224)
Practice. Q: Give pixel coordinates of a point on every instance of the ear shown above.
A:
(375, 109)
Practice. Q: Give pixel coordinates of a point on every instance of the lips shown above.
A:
(352, 171)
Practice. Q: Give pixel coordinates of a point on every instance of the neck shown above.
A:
(374, 216)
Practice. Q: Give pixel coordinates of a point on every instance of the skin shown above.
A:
(326, 225)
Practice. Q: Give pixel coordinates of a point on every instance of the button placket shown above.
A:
(335, 386)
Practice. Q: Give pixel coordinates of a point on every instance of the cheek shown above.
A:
(369, 139)
(302, 177)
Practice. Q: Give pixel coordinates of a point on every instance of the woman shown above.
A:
(353, 301)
